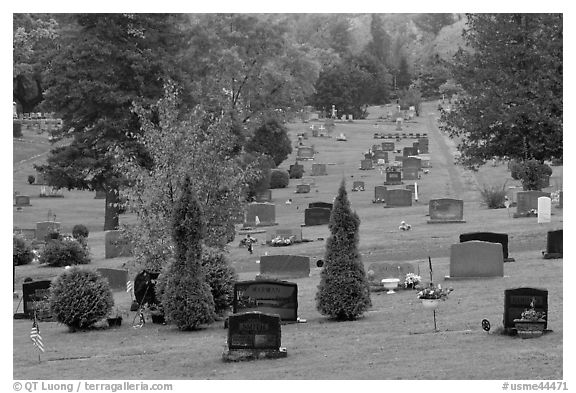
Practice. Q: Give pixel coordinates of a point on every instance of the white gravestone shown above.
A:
(544, 210)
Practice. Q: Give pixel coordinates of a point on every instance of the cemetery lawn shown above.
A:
(395, 339)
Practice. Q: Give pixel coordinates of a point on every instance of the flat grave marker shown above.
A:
(284, 266)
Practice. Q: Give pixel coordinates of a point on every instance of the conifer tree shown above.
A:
(187, 299)
(343, 292)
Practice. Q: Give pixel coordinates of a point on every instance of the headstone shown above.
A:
(358, 185)
(560, 199)
(516, 300)
(316, 216)
(409, 151)
(527, 201)
(544, 210)
(115, 245)
(285, 266)
(268, 296)
(393, 178)
(34, 292)
(366, 165)
(324, 205)
(398, 198)
(554, 244)
(40, 180)
(388, 146)
(375, 148)
(100, 195)
(302, 188)
(379, 194)
(254, 335)
(476, 259)
(266, 213)
(264, 196)
(45, 227)
(411, 187)
(446, 210)
(117, 278)
(491, 237)
(399, 124)
(305, 153)
(319, 170)
(425, 162)
(22, 200)
(380, 155)
(423, 145)
(412, 162)
(409, 173)
(285, 233)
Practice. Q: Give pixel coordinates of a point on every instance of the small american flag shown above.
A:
(129, 286)
(35, 336)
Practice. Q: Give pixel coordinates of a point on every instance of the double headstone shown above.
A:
(266, 213)
(380, 194)
(398, 198)
(302, 188)
(527, 202)
(409, 151)
(317, 216)
(268, 296)
(366, 164)
(22, 200)
(446, 210)
(284, 266)
(476, 259)
(35, 295)
(305, 153)
(319, 170)
(116, 278)
(517, 300)
(554, 244)
(409, 173)
(412, 162)
(491, 237)
(115, 245)
(393, 178)
(254, 335)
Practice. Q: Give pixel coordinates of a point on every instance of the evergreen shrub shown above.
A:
(65, 252)
(21, 251)
(279, 178)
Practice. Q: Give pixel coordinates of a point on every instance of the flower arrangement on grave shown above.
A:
(412, 280)
(530, 314)
(434, 292)
(531, 323)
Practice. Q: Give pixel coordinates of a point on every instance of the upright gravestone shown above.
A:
(476, 259)
(409, 173)
(517, 300)
(412, 162)
(366, 164)
(316, 216)
(380, 155)
(116, 278)
(409, 151)
(305, 153)
(100, 195)
(264, 196)
(266, 213)
(325, 205)
(319, 170)
(294, 234)
(398, 198)
(554, 244)
(399, 124)
(446, 210)
(284, 266)
(22, 200)
(268, 296)
(302, 188)
(423, 145)
(527, 202)
(379, 194)
(491, 237)
(34, 293)
(43, 228)
(393, 178)
(388, 146)
(115, 245)
(358, 185)
(254, 335)
(544, 210)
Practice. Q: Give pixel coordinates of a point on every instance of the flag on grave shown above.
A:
(35, 335)
(257, 221)
(129, 286)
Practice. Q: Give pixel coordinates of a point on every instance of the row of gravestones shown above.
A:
(264, 214)
(397, 135)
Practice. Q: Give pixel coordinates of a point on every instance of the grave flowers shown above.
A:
(411, 281)
(432, 295)
(531, 323)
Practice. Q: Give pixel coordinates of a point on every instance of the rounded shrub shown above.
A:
(79, 298)
(220, 276)
(296, 172)
(31, 179)
(21, 251)
(533, 174)
(65, 252)
(279, 178)
(79, 230)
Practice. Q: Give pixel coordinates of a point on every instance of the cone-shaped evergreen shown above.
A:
(187, 299)
(343, 292)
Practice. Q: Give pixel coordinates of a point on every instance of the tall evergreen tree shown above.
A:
(343, 292)
(511, 105)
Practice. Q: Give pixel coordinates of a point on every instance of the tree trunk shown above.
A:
(111, 210)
